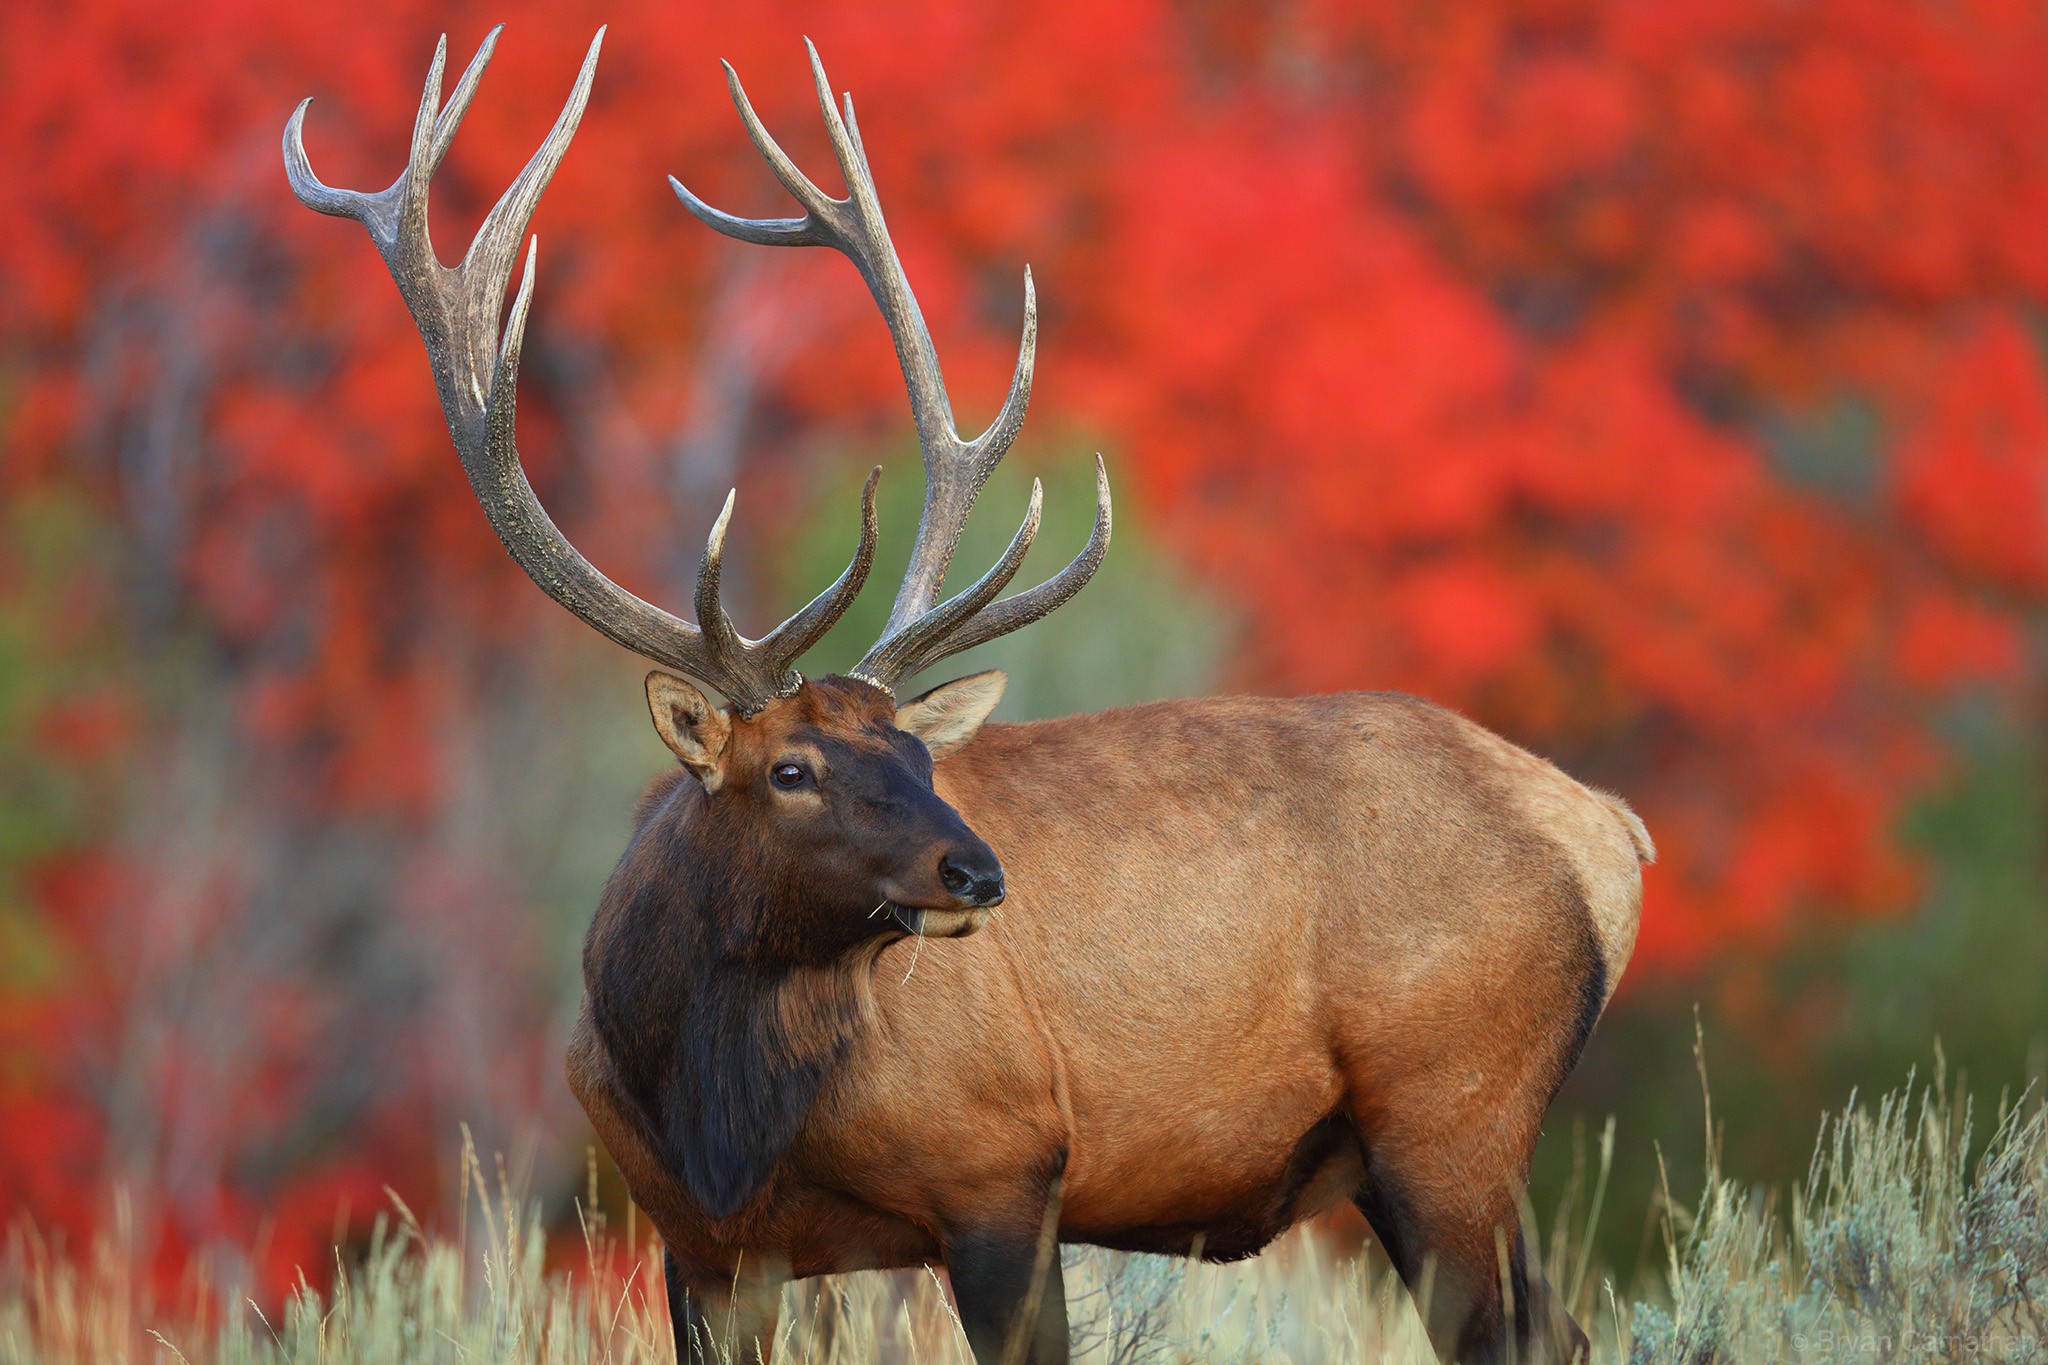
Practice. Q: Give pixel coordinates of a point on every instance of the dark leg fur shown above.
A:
(1010, 1296)
(1449, 1260)
(718, 1316)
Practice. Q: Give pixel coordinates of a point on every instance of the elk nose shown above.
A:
(973, 875)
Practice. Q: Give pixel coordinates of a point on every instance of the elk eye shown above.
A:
(787, 775)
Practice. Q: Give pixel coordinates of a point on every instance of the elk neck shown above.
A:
(722, 1036)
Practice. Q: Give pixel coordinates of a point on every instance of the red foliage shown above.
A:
(1500, 351)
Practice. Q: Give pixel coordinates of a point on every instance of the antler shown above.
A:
(920, 630)
(476, 371)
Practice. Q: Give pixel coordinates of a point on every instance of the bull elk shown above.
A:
(1257, 957)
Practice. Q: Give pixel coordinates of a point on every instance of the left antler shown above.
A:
(476, 371)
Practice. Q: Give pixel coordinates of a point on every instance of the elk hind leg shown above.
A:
(1448, 1218)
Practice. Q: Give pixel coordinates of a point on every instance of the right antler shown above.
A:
(475, 370)
(920, 630)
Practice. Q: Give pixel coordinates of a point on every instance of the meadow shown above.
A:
(1918, 1234)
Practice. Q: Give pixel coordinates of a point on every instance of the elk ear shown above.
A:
(949, 715)
(690, 725)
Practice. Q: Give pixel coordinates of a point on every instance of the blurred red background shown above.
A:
(1659, 381)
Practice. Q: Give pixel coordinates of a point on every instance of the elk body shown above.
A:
(1253, 957)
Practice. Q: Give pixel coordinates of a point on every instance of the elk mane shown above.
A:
(721, 1050)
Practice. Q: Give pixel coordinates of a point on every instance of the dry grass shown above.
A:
(1905, 1243)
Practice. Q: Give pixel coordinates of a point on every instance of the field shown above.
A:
(1920, 1233)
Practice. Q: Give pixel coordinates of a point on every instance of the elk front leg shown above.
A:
(1008, 1290)
(724, 1318)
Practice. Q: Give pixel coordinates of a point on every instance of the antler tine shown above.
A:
(476, 373)
(789, 640)
(759, 231)
(897, 656)
(465, 89)
(815, 201)
(919, 630)
(1014, 613)
(711, 617)
(852, 226)
(779, 650)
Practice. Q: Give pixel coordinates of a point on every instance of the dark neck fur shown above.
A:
(722, 1050)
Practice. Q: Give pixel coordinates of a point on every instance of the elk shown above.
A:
(1255, 957)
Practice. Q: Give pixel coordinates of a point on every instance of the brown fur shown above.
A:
(1257, 957)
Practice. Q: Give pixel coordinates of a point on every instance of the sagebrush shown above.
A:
(1920, 1234)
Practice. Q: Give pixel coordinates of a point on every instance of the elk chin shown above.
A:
(925, 923)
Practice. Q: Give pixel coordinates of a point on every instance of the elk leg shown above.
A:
(1009, 1294)
(1450, 1237)
(724, 1317)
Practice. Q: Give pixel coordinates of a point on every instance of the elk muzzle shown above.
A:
(972, 873)
(969, 885)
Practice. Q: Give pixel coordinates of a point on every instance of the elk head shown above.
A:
(832, 777)
(829, 792)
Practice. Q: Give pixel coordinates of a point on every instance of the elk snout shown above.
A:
(972, 873)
